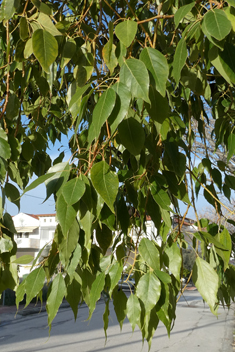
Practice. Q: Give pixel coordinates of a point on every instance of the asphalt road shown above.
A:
(196, 329)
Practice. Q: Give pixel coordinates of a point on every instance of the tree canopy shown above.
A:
(137, 84)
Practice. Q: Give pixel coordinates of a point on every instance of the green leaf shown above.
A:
(123, 98)
(65, 214)
(5, 150)
(126, 31)
(6, 244)
(150, 253)
(231, 146)
(105, 182)
(160, 196)
(101, 113)
(74, 261)
(12, 194)
(69, 243)
(20, 292)
(225, 239)
(8, 8)
(104, 237)
(158, 109)
(132, 135)
(38, 182)
(226, 58)
(46, 23)
(60, 176)
(106, 318)
(57, 293)
(95, 293)
(134, 75)
(13, 106)
(24, 259)
(179, 60)
(115, 273)
(148, 291)
(110, 58)
(216, 24)
(34, 283)
(164, 277)
(69, 50)
(120, 302)
(174, 260)
(182, 12)
(73, 190)
(157, 64)
(42, 7)
(74, 296)
(206, 281)
(133, 310)
(24, 30)
(45, 48)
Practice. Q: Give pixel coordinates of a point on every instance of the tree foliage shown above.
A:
(135, 84)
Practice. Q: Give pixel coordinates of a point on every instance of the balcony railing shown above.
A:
(29, 243)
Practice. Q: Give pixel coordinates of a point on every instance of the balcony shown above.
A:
(27, 243)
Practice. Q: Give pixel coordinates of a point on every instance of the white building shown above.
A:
(33, 233)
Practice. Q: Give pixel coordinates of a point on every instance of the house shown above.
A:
(36, 231)
(33, 233)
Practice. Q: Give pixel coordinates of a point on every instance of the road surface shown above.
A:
(196, 329)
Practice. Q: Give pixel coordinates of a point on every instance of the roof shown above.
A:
(37, 216)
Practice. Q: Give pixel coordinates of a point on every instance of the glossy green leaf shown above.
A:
(224, 238)
(69, 243)
(96, 289)
(20, 292)
(120, 302)
(73, 296)
(74, 260)
(182, 12)
(216, 24)
(106, 319)
(226, 59)
(13, 194)
(150, 253)
(133, 310)
(24, 30)
(6, 245)
(148, 291)
(179, 60)
(5, 150)
(160, 196)
(73, 191)
(45, 48)
(164, 277)
(57, 293)
(157, 64)
(66, 214)
(110, 58)
(24, 259)
(158, 109)
(174, 260)
(42, 7)
(47, 24)
(8, 8)
(132, 135)
(231, 146)
(126, 31)
(104, 237)
(101, 113)
(105, 182)
(134, 75)
(115, 274)
(206, 281)
(34, 283)
(123, 98)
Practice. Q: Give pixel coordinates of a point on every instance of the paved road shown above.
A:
(196, 329)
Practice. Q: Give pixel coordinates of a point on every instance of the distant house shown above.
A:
(33, 233)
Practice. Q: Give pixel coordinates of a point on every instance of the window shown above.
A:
(45, 220)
